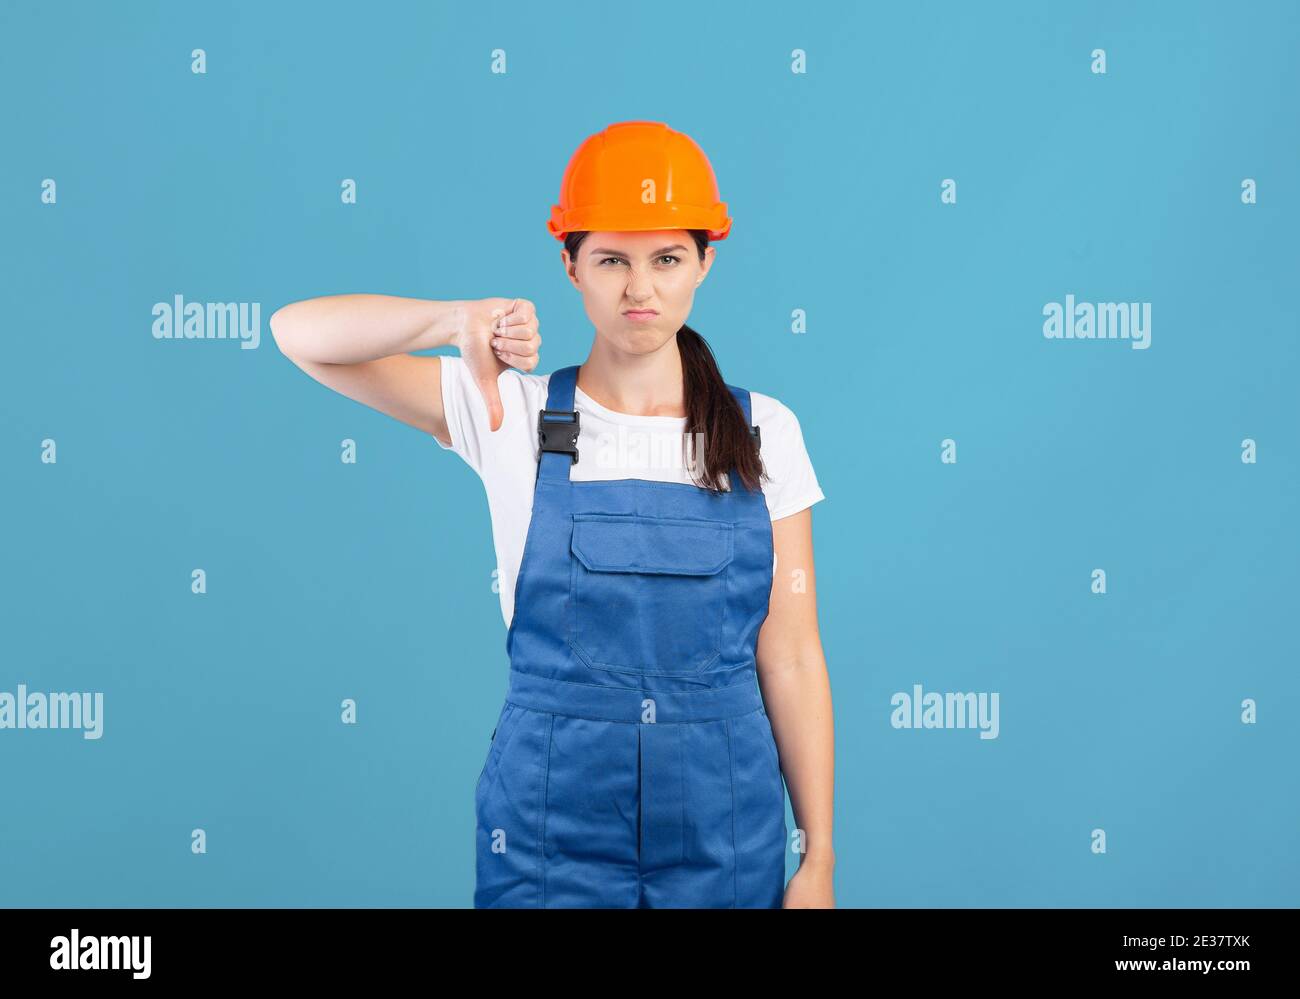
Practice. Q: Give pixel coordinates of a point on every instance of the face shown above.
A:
(638, 287)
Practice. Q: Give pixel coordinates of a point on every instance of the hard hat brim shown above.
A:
(659, 216)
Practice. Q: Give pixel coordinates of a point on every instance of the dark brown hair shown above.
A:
(711, 409)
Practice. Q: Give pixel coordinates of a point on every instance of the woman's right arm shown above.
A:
(358, 345)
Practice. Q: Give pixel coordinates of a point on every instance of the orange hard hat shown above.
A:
(638, 175)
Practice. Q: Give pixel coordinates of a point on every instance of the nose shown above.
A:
(640, 286)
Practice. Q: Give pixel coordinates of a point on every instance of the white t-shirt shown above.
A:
(611, 445)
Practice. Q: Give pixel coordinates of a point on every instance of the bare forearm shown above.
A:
(798, 699)
(346, 329)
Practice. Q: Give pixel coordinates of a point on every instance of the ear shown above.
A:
(570, 269)
(709, 256)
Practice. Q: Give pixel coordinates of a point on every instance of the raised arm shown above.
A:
(358, 345)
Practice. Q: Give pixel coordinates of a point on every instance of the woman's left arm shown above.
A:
(797, 693)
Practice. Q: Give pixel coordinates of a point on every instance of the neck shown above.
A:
(636, 384)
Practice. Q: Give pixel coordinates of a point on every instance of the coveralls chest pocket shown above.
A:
(648, 594)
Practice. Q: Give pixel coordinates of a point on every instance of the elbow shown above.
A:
(282, 330)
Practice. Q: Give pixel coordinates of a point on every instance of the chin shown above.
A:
(639, 341)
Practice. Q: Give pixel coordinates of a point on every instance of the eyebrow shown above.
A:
(619, 253)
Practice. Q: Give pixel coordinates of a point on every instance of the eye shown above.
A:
(618, 260)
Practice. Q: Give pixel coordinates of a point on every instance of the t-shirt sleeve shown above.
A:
(793, 484)
(458, 391)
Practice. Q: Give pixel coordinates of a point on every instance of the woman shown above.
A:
(633, 763)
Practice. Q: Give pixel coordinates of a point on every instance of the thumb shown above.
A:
(492, 398)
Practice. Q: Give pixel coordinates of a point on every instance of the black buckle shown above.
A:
(557, 430)
(758, 438)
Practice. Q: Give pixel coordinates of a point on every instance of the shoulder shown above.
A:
(783, 440)
(772, 415)
(792, 483)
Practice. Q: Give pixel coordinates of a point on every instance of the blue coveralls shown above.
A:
(633, 764)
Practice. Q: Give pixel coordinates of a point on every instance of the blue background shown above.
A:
(374, 581)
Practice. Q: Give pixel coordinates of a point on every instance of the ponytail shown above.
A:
(713, 411)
